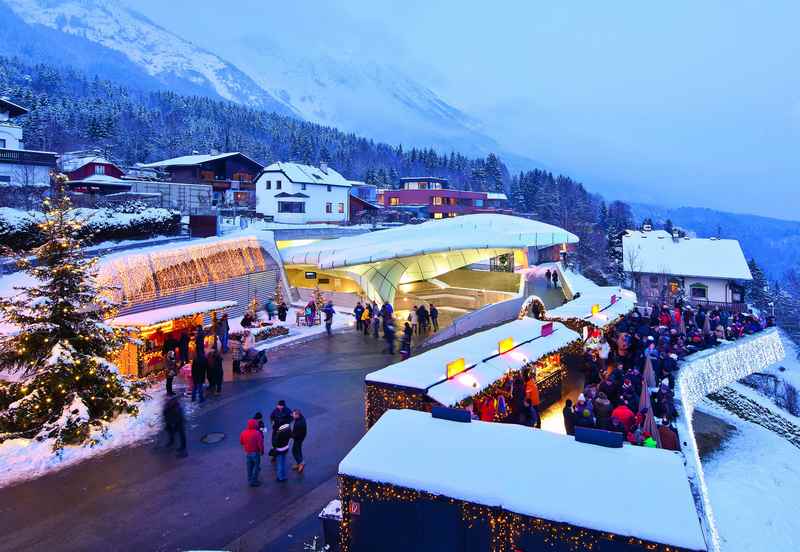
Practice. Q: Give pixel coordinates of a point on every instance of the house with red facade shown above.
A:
(432, 197)
(90, 172)
(232, 175)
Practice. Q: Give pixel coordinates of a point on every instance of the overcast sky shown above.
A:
(692, 103)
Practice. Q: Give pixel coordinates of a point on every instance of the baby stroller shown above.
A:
(254, 361)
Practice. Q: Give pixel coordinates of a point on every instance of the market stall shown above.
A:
(152, 329)
(419, 483)
(476, 368)
(595, 310)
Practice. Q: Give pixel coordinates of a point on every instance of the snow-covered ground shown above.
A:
(753, 483)
(22, 459)
(343, 319)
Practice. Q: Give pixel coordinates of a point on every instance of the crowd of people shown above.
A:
(288, 427)
(616, 368)
(370, 319)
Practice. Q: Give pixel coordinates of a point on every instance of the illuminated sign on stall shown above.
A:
(505, 345)
(456, 367)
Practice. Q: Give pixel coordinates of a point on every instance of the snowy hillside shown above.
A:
(366, 95)
(161, 54)
(360, 94)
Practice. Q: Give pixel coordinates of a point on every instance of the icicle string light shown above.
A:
(707, 372)
(140, 277)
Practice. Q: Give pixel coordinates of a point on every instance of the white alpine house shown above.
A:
(298, 194)
(704, 270)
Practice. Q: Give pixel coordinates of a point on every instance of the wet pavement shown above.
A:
(144, 498)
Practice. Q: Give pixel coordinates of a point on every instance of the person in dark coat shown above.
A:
(280, 446)
(199, 369)
(299, 432)
(282, 310)
(216, 373)
(200, 342)
(174, 422)
(405, 341)
(547, 277)
(171, 370)
(602, 411)
(388, 335)
(434, 314)
(183, 347)
(424, 320)
(329, 312)
(569, 417)
(357, 312)
(279, 416)
(555, 279)
(530, 416)
(223, 331)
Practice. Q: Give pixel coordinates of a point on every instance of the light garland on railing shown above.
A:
(707, 372)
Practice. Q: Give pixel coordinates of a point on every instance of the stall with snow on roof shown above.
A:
(474, 370)
(595, 309)
(158, 330)
(415, 482)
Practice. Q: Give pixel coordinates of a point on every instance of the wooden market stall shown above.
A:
(595, 310)
(478, 367)
(415, 482)
(153, 328)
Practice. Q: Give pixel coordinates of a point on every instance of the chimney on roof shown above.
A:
(323, 166)
(647, 228)
(675, 236)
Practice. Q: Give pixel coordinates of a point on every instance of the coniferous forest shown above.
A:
(70, 110)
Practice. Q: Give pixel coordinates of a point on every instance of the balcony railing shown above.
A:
(28, 157)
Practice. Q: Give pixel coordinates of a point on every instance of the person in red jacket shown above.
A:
(625, 416)
(252, 441)
(488, 410)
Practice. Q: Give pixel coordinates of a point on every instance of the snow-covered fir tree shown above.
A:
(65, 387)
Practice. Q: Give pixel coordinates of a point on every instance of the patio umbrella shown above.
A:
(648, 376)
(649, 424)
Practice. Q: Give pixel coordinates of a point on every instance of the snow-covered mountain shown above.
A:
(163, 56)
(367, 96)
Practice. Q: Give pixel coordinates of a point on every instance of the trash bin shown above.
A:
(331, 517)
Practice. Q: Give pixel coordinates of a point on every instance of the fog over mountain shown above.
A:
(672, 104)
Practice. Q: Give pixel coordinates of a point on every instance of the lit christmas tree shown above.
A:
(66, 385)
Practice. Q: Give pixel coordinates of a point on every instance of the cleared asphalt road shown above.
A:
(142, 498)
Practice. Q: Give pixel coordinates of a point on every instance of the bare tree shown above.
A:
(633, 265)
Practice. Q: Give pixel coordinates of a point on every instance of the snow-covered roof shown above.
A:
(656, 252)
(307, 174)
(428, 370)
(496, 196)
(13, 109)
(157, 316)
(540, 474)
(105, 180)
(483, 231)
(609, 312)
(71, 163)
(189, 160)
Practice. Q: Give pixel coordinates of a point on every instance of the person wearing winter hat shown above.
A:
(669, 439)
(569, 417)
